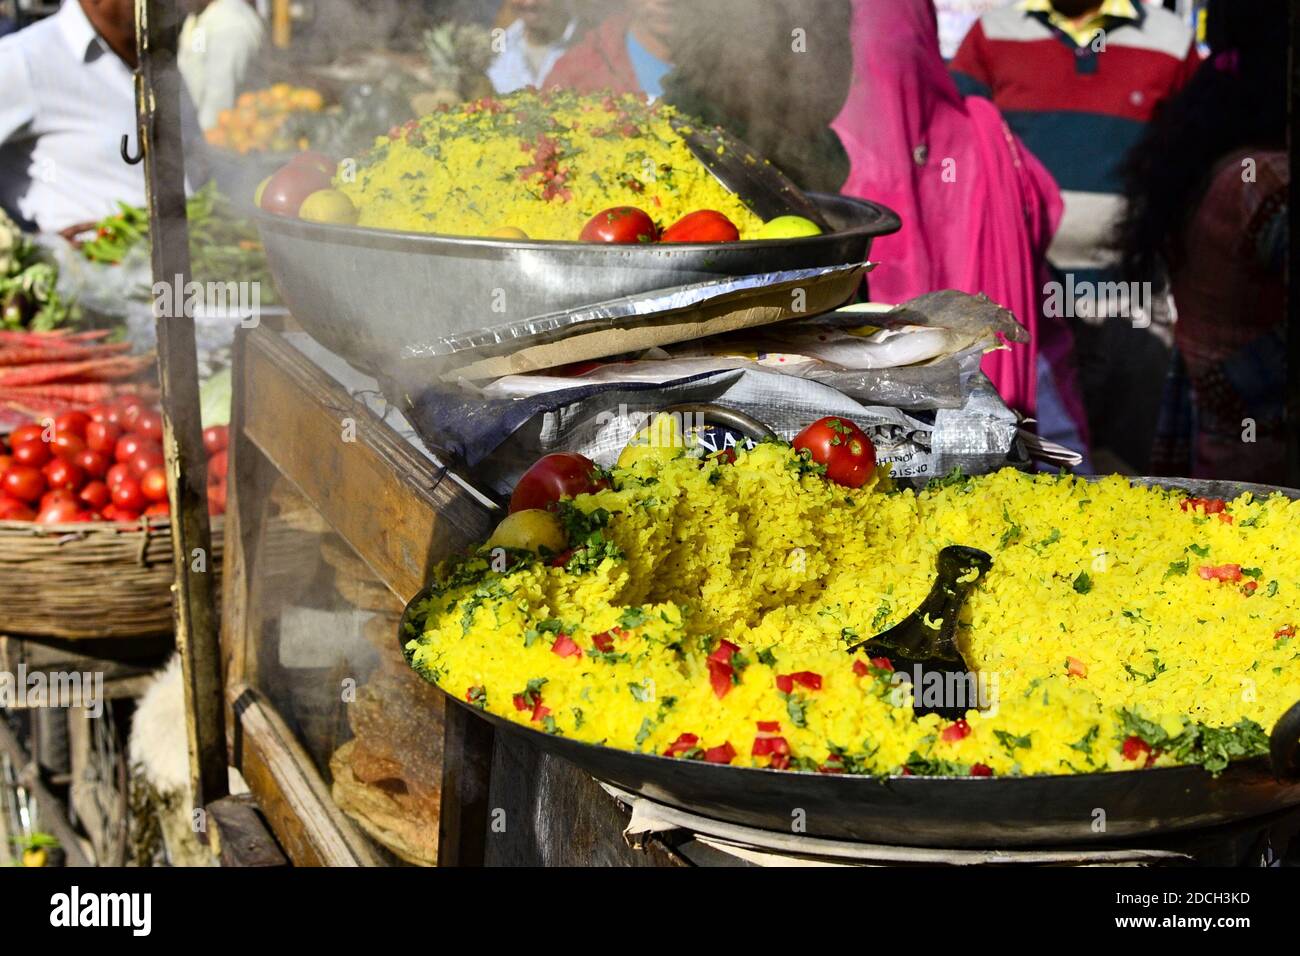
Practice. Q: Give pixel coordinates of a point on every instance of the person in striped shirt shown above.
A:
(1078, 81)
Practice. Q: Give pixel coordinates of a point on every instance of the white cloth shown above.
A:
(512, 69)
(66, 99)
(220, 49)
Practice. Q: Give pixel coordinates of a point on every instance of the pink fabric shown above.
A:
(978, 209)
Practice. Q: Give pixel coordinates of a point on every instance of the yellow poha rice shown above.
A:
(541, 162)
(1094, 627)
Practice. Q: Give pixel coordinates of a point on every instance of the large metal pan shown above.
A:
(954, 812)
(368, 293)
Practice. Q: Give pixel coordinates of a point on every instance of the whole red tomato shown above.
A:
(102, 436)
(67, 446)
(315, 160)
(841, 446)
(29, 432)
(99, 413)
(23, 482)
(72, 423)
(132, 409)
(11, 509)
(131, 444)
(218, 465)
(116, 473)
(145, 460)
(290, 185)
(5, 462)
(620, 224)
(127, 496)
(158, 509)
(154, 484)
(62, 512)
(93, 463)
(216, 438)
(64, 474)
(56, 495)
(704, 225)
(34, 454)
(217, 498)
(562, 475)
(95, 495)
(149, 424)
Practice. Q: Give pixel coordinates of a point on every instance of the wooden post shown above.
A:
(158, 109)
(1292, 300)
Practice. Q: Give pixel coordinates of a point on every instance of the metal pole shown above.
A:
(158, 108)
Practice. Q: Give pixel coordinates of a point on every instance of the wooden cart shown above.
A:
(334, 510)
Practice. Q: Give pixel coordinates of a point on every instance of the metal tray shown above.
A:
(370, 294)
(955, 812)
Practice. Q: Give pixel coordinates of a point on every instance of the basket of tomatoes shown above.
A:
(85, 534)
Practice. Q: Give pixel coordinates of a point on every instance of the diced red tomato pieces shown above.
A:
(520, 702)
(769, 726)
(1220, 572)
(834, 764)
(981, 770)
(724, 652)
(683, 744)
(1211, 506)
(860, 668)
(603, 641)
(1286, 630)
(566, 646)
(785, 682)
(720, 674)
(779, 762)
(957, 730)
(1075, 667)
(766, 746)
(1135, 748)
(882, 663)
(723, 754)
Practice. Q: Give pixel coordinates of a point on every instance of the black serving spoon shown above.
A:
(762, 187)
(942, 682)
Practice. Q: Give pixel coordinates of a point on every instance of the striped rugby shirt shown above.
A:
(1079, 97)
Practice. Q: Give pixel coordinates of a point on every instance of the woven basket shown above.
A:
(91, 580)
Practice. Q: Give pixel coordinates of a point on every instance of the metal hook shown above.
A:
(126, 156)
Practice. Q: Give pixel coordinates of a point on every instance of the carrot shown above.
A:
(37, 355)
(81, 393)
(96, 369)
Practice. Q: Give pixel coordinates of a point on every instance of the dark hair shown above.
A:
(1236, 98)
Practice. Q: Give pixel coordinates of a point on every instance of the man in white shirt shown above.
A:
(220, 47)
(66, 99)
(532, 44)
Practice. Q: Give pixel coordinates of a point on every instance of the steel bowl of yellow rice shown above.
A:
(469, 218)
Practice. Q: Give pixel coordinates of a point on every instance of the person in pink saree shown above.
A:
(978, 209)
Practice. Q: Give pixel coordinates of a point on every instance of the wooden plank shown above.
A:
(290, 791)
(158, 107)
(1292, 299)
(466, 780)
(394, 508)
(239, 837)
